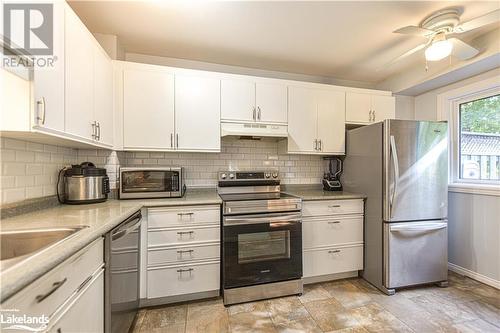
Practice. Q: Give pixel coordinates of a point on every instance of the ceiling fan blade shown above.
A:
(478, 22)
(414, 30)
(407, 54)
(462, 50)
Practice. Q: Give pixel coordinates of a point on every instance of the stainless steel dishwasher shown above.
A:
(121, 284)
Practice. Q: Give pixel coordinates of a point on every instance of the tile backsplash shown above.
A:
(29, 170)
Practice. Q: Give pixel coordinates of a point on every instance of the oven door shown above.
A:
(149, 183)
(261, 248)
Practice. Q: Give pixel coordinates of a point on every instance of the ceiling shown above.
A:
(349, 40)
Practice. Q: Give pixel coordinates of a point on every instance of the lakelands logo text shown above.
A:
(13, 320)
(28, 29)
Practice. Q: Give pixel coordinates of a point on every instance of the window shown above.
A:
(479, 139)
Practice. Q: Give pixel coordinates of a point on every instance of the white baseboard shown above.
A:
(473, 275)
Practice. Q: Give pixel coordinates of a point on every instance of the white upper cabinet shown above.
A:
(364, 108)
(237, 100)
(316, 121)
(253, 101)
(79, 78)
(384, 107)
(148, 109)
(103, 97)
(48, 83)
(197, 113)
(302, 120)
(331, 121)
(271, 102)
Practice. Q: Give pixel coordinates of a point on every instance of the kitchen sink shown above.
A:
(19, 245)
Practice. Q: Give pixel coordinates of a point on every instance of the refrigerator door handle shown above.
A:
(419, 227)
(395, 162)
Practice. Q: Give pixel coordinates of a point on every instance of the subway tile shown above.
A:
(34, 192)
(13, 169)
(8, 155)
(7, 182)
(34, 169)
(25, 181)
(14, 144)
(13, 195)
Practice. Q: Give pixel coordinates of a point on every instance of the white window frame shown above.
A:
(448, 109)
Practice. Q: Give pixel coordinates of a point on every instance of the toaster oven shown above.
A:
(151, 182)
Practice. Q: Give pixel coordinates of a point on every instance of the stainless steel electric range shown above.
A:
(261, 237)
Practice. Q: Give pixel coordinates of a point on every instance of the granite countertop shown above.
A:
(315, 192)
(100, 218)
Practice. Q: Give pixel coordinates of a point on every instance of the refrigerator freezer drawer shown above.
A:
(415, 253)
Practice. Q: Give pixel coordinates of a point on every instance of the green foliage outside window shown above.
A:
(481, 116)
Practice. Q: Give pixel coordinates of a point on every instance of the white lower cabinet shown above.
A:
(183, 253)
(84, 313)
(332, 238)
(72, 299)
(183, 279)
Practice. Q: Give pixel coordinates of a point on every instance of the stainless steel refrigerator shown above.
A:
(402, 168)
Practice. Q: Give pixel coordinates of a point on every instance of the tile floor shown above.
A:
(343, 306)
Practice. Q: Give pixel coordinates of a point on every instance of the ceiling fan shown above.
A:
(441, 29)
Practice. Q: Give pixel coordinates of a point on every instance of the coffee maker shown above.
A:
(331, 179)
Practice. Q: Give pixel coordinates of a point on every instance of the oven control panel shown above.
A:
(248, 175)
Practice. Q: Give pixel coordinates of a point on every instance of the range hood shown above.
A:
(254, 130)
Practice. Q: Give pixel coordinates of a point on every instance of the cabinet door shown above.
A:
(237, 100)
(49, 82)
(148, 109)
(79, 43)
(197, 113)
(302, 119)
(384, 107)
(331, 121)
(103, 96)
(358, 107)
(271, 102)
(86, 312)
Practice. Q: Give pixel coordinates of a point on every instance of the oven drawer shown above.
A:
(332, 260)
(332, 207)
(181, 216)
(165, 237)
(183, 279)
(183, 254)
(51, 290)
(328, 231)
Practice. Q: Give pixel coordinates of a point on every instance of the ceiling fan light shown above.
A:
(438, 50)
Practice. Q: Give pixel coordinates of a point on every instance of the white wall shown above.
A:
(474, 219)
(405, 107)
(426, 104)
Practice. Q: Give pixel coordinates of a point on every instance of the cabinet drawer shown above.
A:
(183, 235)
(185, 279)
(183, 254)
(44, 296)
(332, 207)
(330, 231)
(181, 216)
(332, 260)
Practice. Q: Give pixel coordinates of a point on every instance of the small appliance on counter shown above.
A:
(83, 184)
(331, 179)
(151, 182)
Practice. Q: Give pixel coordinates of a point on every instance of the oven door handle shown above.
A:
(259, 220)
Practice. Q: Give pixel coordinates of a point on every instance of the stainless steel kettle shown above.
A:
(83, 184)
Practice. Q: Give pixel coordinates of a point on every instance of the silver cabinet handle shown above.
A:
(333, 222)
(41, 113)
(94, 131)
(334, 251)
(185, 233)
(258, 112)
(187, 270)
(98, 131)
(171, 140)
(254, 114)
(315, 144)
(320, 145)
(55, 286)
(182, 214)
(334, 206)
(374, 115)
(177, 139)
(185, 251)
(370, 115)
